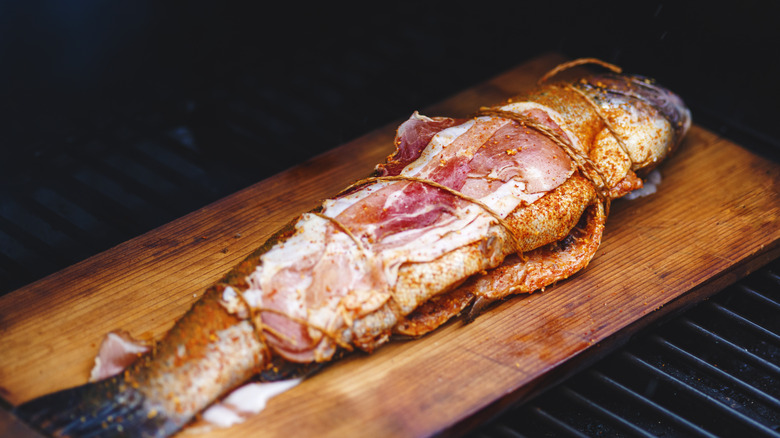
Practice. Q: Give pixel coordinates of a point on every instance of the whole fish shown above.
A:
(464, 213)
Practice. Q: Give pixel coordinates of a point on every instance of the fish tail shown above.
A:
(100, 409)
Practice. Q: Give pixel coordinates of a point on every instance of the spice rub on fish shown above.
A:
(465, 212)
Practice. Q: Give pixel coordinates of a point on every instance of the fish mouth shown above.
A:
(646, 90)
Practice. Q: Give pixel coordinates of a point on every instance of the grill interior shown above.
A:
(122, 118)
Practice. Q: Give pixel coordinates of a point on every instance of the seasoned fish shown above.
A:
(465, 212)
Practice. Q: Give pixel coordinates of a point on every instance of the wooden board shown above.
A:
(714, 219)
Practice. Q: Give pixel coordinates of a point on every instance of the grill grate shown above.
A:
(713, 371)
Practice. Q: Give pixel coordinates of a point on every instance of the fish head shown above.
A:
(647, 119)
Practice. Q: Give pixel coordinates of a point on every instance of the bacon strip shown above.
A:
(316, 284)
(411, 138)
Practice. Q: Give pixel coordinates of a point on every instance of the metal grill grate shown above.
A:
(713, 371)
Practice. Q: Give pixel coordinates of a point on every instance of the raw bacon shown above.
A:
(411, 138)
(478, 158)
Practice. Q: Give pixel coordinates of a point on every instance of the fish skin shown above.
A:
(206, 353)
(215, 347)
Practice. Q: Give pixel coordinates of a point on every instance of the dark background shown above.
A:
(118, 117)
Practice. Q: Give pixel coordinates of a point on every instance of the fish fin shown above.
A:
(431, 314)
(480, 304)
(105, 408)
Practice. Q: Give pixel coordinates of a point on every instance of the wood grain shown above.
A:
(714, 219)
